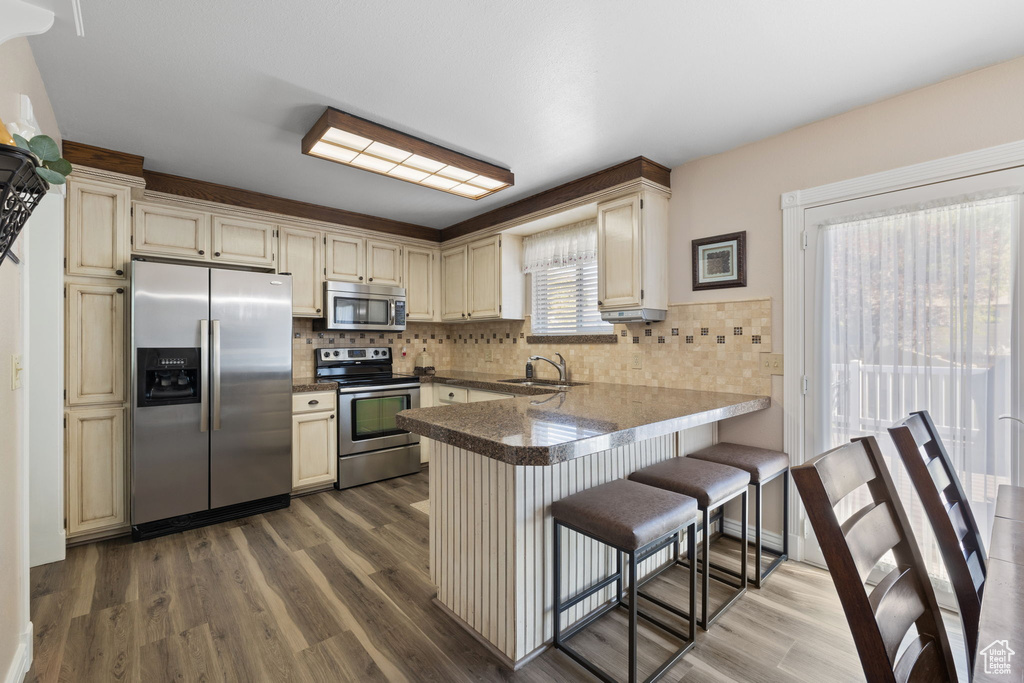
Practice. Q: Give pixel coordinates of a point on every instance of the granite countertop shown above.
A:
(558, 426)
(301, 384)
(482, 380)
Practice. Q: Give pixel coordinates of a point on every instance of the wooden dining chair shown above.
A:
(949, 512)
(880, 617)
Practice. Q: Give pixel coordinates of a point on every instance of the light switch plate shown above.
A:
(772, 364)
(637, 361)
(15, 371)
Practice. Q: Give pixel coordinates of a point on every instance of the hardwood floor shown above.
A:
(336, 588)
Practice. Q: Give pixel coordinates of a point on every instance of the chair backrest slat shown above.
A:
(949, 512)
(880, 620)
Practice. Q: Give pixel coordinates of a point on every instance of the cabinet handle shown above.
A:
(318, 310)
(451, 395)
(120, 290)
(201, 252)
(469, 315)
(216, 253)
(360, 278)
(332, 416)
(119, 272)
(600, 303)
(371, 279)
(463, 315)
(314, 402)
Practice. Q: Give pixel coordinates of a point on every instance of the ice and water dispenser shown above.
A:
(168, 376)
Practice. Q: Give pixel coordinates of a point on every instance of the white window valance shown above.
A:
(570, 245)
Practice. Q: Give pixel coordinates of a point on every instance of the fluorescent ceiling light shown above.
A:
(350, 140)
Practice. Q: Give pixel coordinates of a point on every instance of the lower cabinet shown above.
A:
(96, 495)
(314, 440)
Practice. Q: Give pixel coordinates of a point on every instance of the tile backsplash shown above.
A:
(710, 346)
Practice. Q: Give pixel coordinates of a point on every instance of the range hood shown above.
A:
(634, 315)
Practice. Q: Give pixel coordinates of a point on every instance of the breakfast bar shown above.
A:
(497, 466)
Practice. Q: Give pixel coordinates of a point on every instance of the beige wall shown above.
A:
(740, 189)
(18, 75)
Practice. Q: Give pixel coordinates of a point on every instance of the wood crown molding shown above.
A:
(634, 169)
(80, 154)
(639, 168)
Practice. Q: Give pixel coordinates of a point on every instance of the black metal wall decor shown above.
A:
(21, 189)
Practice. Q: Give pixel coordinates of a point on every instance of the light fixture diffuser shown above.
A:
(353, 141)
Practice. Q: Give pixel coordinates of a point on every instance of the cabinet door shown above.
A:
(96, 344)
(384, 263)
(453, 284)
(170, 231)
(97, 229)
(314, 449)
(302, 255)
(95, 469)
(484, 280)
(241, 241)
(619, 251)
(345, 260)
(419, 283)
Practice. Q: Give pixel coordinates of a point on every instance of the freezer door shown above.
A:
(250, 386)
(170, 449)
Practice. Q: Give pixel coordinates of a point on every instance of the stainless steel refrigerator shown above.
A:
(211, 408)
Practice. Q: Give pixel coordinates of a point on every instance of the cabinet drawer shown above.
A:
(449, 394)
(476, 395)
(313, 401)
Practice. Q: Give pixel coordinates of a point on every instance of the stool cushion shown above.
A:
(708, 482)
(760, 462)
(625, 514)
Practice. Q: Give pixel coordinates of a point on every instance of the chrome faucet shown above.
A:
(563, 372)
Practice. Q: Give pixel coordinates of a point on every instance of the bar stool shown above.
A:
(637, 521)
(713, 485)
(764, 466)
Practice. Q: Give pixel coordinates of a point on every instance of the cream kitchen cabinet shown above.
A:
(384, 263)
(421, 274)
(96, 343)
(243, 242)
(346, 258)
(98, 231)
(170, 231)
(477, 395)
(96, 491)
(632, 252)
(301, 254)
(482, 280)
(314, 439)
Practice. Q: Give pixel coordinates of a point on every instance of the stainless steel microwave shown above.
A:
(349, 306)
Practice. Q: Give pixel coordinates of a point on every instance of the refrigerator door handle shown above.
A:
(215, 375)
(204, 386)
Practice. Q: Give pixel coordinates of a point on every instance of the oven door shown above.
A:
(351, 311)
(367, 418)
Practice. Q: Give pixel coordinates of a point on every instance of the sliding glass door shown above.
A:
(916, 305)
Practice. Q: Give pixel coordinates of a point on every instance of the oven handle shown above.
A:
(392, 307)
(382, 391)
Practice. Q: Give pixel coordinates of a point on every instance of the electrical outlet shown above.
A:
(637, 361)
(771, 364)
(488, 356)
(16, 369)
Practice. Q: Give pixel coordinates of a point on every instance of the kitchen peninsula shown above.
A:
(497, 466)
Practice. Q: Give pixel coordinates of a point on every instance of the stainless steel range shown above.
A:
(371, 447)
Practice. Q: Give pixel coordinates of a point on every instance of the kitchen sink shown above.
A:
(548, 383)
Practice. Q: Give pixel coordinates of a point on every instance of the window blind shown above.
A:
(565, 301)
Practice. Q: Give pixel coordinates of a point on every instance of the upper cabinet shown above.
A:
(170, 231)
(384, 263)
(301, 255)
(632, 252)
(97, 229)
(483, 280)
(346, 260)
(420, 275)
(243, 242)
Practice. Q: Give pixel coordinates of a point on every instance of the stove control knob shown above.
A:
(337, 353)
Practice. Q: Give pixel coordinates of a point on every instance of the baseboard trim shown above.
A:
(504, 659)
(22, 658)
(769, 539)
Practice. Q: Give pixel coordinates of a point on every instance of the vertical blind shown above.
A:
(565, 301)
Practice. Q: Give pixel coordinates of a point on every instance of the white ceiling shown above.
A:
(223, 91)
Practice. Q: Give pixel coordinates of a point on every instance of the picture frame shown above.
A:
(720, 261)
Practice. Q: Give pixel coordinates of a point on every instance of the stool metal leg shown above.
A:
(557, 561)
(745, 533)
(632, 617)
(757, 535)
(705, 552)
(618, 572)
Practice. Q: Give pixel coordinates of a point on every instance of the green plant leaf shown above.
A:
(44, 147)
(62, 166)
(21, 142)
(49, 176)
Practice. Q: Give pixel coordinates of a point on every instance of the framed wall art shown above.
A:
(720, 261)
